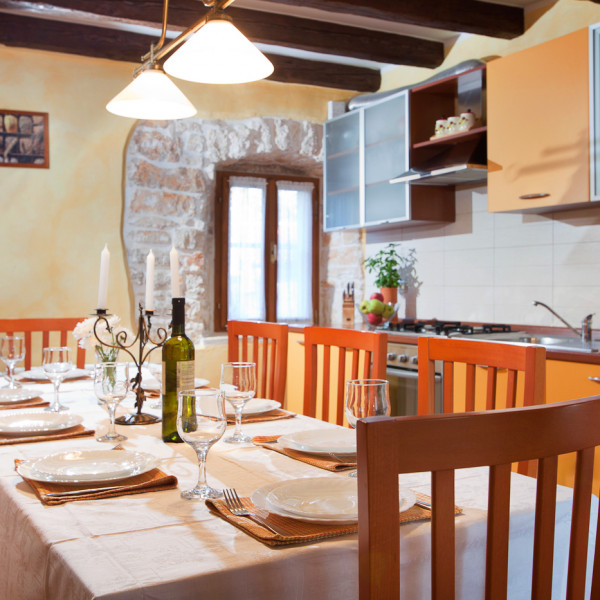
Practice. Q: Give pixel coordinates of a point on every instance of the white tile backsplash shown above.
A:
(489, 267)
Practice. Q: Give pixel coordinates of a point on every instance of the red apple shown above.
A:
(374, 319)
(376, 296)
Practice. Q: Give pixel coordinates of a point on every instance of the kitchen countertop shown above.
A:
(576, 354)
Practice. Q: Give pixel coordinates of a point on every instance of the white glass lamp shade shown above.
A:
(153, 96)
(218, 53)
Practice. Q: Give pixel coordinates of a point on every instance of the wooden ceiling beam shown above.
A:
(260, 27)
(467, 16)
(55, 36)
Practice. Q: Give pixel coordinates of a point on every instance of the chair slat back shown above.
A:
(364, 352)
(528, 362)
(389, 446)
(265, 344)
(28, 327)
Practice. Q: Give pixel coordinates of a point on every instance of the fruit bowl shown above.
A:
(373, 320)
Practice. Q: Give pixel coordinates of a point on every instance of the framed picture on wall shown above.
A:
(24, 139)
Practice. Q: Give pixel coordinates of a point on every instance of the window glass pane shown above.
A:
(246, 270)
(294, 251)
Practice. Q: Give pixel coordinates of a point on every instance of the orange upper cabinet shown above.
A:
(538, 110)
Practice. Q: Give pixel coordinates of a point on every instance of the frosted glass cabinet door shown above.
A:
(386, 156)
(342, 171)
(595, 111)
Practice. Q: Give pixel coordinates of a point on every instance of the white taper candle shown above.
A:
(150, 281)
(103, 285)
(174, 257)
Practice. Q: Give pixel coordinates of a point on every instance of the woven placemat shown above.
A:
(272, 415)
(328, 463)
(301, 532)
(36, 402)
(75, 432)
(154, 480)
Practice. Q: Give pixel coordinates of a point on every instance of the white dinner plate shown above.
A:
(24, 422)
(325, 500)
(40, 375)
(87, 466)
(254, 406)
(9, 396)
(321, 441)
(153, 384)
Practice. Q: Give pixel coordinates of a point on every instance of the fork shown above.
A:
(234, 504)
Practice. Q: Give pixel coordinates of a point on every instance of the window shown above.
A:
(266, 248)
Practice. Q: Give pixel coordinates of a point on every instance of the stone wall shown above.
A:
(169, 199)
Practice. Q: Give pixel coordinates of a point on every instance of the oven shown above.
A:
(402, 374)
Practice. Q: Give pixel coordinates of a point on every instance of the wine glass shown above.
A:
(201, 421)
(366, 398)
(12, 351)
(238, 383)
(56, 362)
(111, 384)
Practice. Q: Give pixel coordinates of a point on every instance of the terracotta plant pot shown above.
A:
(390, 294)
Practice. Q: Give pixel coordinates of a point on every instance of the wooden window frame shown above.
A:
(222, 238)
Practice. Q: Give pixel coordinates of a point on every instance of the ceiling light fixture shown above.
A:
(212, 50)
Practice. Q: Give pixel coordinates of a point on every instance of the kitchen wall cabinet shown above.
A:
(538, 111)
(364, 149)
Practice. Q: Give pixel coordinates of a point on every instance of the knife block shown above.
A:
(348, 313)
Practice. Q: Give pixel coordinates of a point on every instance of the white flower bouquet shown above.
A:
(107, 333)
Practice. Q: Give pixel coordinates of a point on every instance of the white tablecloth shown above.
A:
(159, 546)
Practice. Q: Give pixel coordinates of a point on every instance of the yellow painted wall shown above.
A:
(54, 222)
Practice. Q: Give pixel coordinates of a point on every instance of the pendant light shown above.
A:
(212, 50)
(218, 53)
(151, 95)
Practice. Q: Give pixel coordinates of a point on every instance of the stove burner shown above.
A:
(494, 328)
(447, 327)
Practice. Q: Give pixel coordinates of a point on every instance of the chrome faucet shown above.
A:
(586, 324)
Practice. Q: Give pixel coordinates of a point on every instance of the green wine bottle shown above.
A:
(177, 372)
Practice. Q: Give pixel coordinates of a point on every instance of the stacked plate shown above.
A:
(39, 376)
(30, 422)
(16, 396)
(325, 500)
(254, 406)
(87, 466)
(338, 442)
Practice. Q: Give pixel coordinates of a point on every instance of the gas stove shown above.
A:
(447, 328)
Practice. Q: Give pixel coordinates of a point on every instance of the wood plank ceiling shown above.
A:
(332, 43)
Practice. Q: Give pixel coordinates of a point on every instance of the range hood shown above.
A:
(456, 164)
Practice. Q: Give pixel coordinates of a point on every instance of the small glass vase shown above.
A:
(105, 354)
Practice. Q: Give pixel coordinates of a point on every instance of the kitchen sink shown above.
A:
(552, 342)
(546, 340)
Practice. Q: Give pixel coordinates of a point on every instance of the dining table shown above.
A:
(156, 545)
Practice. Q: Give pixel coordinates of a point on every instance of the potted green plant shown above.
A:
(386, 265)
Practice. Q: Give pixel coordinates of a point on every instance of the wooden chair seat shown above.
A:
(367, 351)
(440, 444)
(265, 344)
(54, 332)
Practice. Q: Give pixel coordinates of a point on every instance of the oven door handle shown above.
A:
(408, 374)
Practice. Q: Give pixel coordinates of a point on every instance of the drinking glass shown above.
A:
(238, 383)
(111, 384)
(366, 398)
(201, 421)
(12, 351)
(56, 362)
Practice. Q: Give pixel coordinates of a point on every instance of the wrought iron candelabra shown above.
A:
(143, 336)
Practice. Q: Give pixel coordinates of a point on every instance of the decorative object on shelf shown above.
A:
(348, 307)
(24, 139)
(377, 314)
(452, 126)
(122, 342)
(440, 127)
(212, 50)
(466, 121)
(107, 331)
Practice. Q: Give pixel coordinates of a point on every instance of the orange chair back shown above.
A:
(265, 344)
(440, 444)
(368, 353)
(61, 326)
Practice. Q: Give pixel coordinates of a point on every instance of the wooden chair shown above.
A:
(388, 446)
(61, 326)
(494, 356)
(266, 344)
(368, 351)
